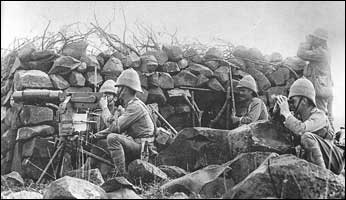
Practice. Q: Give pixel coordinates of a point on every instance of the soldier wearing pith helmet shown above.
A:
(312, 126)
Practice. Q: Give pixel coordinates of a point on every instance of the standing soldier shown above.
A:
(130, 127)
(315, 50)
(255, 109)
(313, 127)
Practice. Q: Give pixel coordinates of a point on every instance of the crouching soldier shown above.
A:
(129, 127)
(253, 108)
(312, 127)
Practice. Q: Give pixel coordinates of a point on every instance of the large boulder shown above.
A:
(112, 67)
(64, 65)
(287, 176)
(147, 172)
(25, 133)
(91, 62)
(160, 56)
(132, 60)
(185, 78)
(197, 147)
(21, 195)
(77, 79)
(174, 53)
(156, 95)
(173, 171)
(214, 84)
(73, 188)
(59, 82)
(75, 49)
(91, 78)
(259, 136)
(170, 67)
(213, 53)
(262, 81)
(200, 69)
(92, 175)
(280, 76)
(162, 80)
(40, 60)
(31, 79)
(8, 140)
(35, 114)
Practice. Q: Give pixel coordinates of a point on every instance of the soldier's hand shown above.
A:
(282, 101)
(121, 110)
(103, 102)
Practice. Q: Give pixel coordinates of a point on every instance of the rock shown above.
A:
(5, 100)
(75, 49)
(149, 63)
(6, 161)
(144, 79)
(21, 195)
(289, 177)
(59, 82)
(259, 136)
(245, 163)
(183, 63)
(91, 78)
(113, 67)
(132, 60)
(200, 69)
(16, 162)
(222, 74)
(202, 80)
(123, 193)
(240, 51)
(24, 53)
(40, 60)
(7, 64)
(93, 175)
(162, 80)
(78, 89)
(212, 64)
(117, 183)
(166, 110)
(295, 63)
(217, 187)
(3, 113)
(213, 53)
(275, 57)
(91, 62)
(25, 133)
(156, 95)
(176, 92)
(197, 59)
(64, 65)
(160, 56)
(8, 140)
(82, 68)
(180, 121)
(255, 54)
(238, 62)
(193, 182)
(262, 82)
(197, 147)
(185, 78)
(280, 76)
(38, 147)
(173, 171)
(143, 96)
(7, 87)
(76, 79)
(174, 53)
(12, 120)
(68, 187)
(31, 79)
(103, 58)
(35, 114)
(214, 84)
(147, 172)
(13, 179)
(170, 67)
(179, 195)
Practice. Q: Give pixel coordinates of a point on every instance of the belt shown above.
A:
(146, 139)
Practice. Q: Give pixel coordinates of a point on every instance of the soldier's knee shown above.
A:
(112, 138)
(308, 140)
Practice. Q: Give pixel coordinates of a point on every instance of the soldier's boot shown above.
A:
(118, 158)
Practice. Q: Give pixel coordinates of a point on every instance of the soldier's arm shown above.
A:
(106, 116)
(305, 52)
(131, 114)
(253, 114)
(315, 122)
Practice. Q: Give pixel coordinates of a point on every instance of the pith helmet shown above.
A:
(248, 82)
(129, 78)
(303, 87)
(321, 34)
(108, 86)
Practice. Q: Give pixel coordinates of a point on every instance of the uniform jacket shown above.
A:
(256, 110)
(135, 120)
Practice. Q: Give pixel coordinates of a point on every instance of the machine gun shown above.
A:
(76, 121)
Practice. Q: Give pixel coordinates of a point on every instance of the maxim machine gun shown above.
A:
(77, 118)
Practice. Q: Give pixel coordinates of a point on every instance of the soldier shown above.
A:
(109, 91)
(315, 50)
(312, 127)
(128, 128)
(255, 109)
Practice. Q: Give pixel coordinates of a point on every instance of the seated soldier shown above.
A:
(255, 109)
(313, 127)
(128, 128)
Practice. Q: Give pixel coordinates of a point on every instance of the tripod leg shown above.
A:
(49, 163)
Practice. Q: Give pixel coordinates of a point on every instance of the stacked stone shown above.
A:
(25, 127)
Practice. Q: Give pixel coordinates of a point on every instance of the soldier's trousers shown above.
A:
(323, 152)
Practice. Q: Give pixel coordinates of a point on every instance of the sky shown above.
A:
(268, 26)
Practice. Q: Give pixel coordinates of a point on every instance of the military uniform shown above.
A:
(317, 139)
(256, 110)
